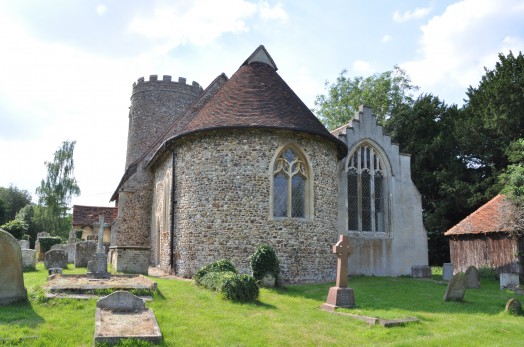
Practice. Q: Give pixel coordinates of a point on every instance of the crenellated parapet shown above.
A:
(166, 84)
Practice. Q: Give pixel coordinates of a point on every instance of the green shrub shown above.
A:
(242, 288)
(47, 242)
(486, 272)
(215, 280)
(218, 266)
(264, 261)
(78, 234)
(16, 227)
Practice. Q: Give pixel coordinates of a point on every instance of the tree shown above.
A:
(513, 180)
(16, 227)
(14, 199)
(28, 215)
(56, 191)
(382, 92)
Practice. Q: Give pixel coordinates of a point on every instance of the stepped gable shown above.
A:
(489, 218)
(257, 97)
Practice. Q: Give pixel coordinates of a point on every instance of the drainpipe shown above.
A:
(172, 214)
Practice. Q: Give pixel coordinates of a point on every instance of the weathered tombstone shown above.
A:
(514, 307)
(84, 252)
(97, 267)
(11, 277)
(456, 287)
(421, 271)
(122, 315)
(447, 271)
(473, 275)
(24, 244)
(69, 248)
(29, 259)
(55, 258)
(340, 295)
(72, 236)
(509, 280)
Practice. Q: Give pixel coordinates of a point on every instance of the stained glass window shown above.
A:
(290, 177)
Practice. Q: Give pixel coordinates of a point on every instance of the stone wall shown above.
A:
(130, 259)
(222, 189)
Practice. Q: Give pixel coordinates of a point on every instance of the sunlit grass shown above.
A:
(189, 316)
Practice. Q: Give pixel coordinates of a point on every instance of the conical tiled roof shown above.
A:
(257, 97)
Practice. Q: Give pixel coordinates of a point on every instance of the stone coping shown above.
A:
(387, 323)
(82, 283)
(131, 247)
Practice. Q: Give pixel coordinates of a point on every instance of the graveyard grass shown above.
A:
(190, 316)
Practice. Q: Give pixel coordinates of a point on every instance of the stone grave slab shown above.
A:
(473, 275)
(509, 280)
(447, 271)
(29, 259)
(84, 252)
(11, 277)
(456, 287)
(55, 258)
(421, 271)
(122, 315)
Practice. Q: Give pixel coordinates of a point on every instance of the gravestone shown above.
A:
(447, 271)
(340, 295)
(84, 252)
(29, 259)
(69, 248)
(55, 258)
(421, 271)
(122, 315)
(509, 280)
(456, 287)
(473, 275)
(72, 236)
(97, 267)
(11, 277)
(514, 307)
(24, 244)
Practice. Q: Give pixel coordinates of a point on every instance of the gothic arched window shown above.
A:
(367, 198)
(290, 184)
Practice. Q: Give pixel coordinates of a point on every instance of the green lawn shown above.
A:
(189, 316)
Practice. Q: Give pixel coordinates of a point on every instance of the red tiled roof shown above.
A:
(88, 215)
(488, 218)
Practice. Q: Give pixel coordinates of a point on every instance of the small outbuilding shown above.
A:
(483, 239)
(86, 218)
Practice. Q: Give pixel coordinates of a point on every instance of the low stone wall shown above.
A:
(130, 259)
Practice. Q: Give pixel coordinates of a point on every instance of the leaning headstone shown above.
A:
(29, 259)
(11, 277)
(55, 258)
(509, 280)
(85, 251)
(340, 295)
(69, 248)
(514, 307)
(473, 275)
(447, 271)
(421, 271)
(122, 315)
(456, 287)
(24, 244)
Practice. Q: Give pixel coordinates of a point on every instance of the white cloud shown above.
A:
(456, 45)
(418, 13)
(101, 10)
(269, 13)
(385, 38)
(363, 68)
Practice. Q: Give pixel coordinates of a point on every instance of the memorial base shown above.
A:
(339, 297)
(97, 268)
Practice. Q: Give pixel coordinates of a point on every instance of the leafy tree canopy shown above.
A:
(382, 92)
(13, 200)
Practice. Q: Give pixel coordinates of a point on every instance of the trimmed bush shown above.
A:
(242, 288)
(222, 265)
(47, 242)
(264, 261)
(215, 280)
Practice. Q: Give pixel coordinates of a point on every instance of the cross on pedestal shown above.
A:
(341, 295)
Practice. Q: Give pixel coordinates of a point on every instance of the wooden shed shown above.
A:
(482, 239)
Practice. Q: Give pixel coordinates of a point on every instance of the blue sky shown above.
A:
(67, 66)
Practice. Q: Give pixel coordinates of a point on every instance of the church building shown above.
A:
(215, 173)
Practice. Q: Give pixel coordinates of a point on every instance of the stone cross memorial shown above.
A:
(97, 267)
(340, 295)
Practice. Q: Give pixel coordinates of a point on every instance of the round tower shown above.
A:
(155, 105)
